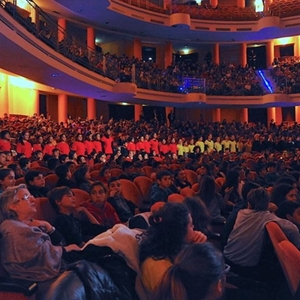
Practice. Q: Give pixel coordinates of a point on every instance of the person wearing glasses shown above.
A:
(30, 249)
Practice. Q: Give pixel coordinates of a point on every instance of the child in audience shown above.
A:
(160, 191)
(35, 182)
(98, 206)
(124, 208)
(75, 224)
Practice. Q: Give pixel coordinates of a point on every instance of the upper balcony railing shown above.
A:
(226, 80)
(278, 8)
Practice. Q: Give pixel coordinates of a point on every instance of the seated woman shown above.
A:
(82, 178)
(171, 229)
(76, 225)
(197, 274)
(19, 230)
(103, 212)
(7, 179)
(180, 179)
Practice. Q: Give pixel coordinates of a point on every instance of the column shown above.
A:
(62, 26)
(168, 54)
(167, 111)
(138, 109)
(271, 115)
(216, 115)
(216, 56)
(168, 5)
(91, 111)
(278, 112)
(297, 45)
(36, 106)
(270, 53)
(267, 4)
(4, 93)
(91, 38)
(244, 115)
(62, 107)
(240, 3)
(214, 3)
(137, 48)
(243, 54)
(297, 114)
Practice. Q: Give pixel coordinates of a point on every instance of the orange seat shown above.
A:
(174, 167)
(20, 181)
(143, 183)
(35, 164)
(51, 181)
(98, 166)
(187, 192)
(44, 210)
(148, 170)
(131, 192)
(191, 176)
(195, 187)
(175, 198)
(220, 181)
(95, 175)
(115, 172)
(81, 196)
(42, 170)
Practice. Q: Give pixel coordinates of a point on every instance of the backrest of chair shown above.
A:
(148, 170)
(20, 180)
(95, 175)
(131, 192)
(191, 176)
(175, 198)
(98, 166)
(143, 183)
(80, 196)
(42, 170)
(195, 187)
(115, 172)
(51, 181)
(220, 181)
(187, 192)
(275, 233)
(44, 210)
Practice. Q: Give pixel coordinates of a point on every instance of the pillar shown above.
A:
(168, 5)
(241, 3)
(297, 45)
(216, 56)
(297, 114)
(168, 54)
(270, 53)
(36, 99)
(267, 4)
(62, 107)
(138, 109)
(244, 115)
(216, 115)
(4, 93)
(137, 48)
(62, 27)
(271, 115)
(167, 111)
(91, 111)
(278, 112)
(214, 3)
(243, 54)
(91, 38)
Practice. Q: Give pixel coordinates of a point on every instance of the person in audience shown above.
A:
(284, 192)
(17, 170)
(41, 240)
(23, 145)
(82, 177)
(128, 170)
(171, 229)
(98, 206)
(76, 224)
(123, 207)
(5, 144)
(186, 280)
(35, 182)
(180, 179)
(289, 210)
(78, 145)
(7, 179)
(160, 191)
(64, 176)
(104, 174)
(245, 244)
(62, 145)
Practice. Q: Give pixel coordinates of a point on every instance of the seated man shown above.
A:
(246, 241)
(35, 182)
(160, 191)
(123, 207)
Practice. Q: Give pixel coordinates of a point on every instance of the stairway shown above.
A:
(269, 85)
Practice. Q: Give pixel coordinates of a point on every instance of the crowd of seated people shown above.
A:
(286, 73)
(285, 8)
(225, 79)
(223, 175)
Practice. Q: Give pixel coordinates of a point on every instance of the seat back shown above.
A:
(288, 256)
(131, 192)
(148, 170)
(187, 192)
(42, 170)
(115, 172)
(44, 210)
(143, 184)
(80, 196)
(191, 176)
(175, 198)
(51, 181)
(95, 175)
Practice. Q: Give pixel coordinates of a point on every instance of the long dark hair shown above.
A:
(166, 234)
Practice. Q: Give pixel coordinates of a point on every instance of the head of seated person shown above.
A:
(63, 172)
(52, 163)
(163, 179)
(35, 182)
(62, 200)
(291, 211)
(186, 280)
(258, 199)
(7, 178)
(24, 163)
(114, 187)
